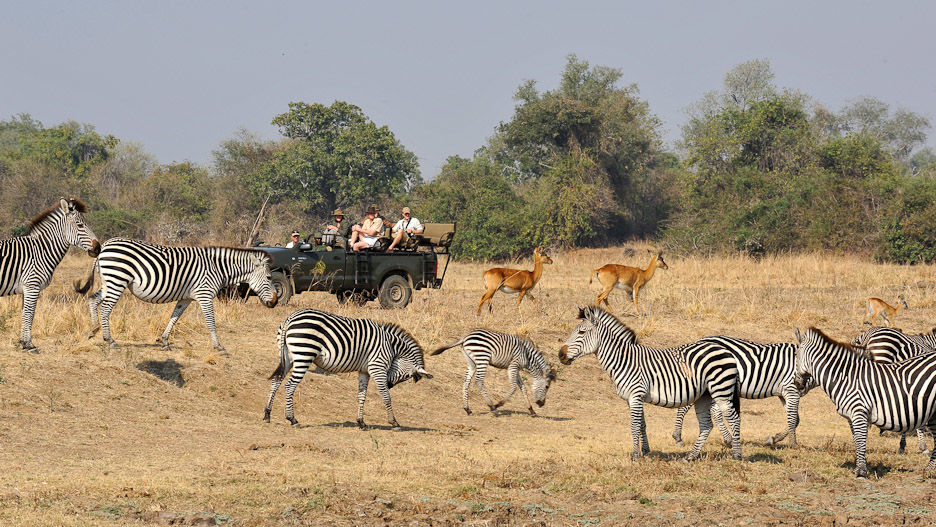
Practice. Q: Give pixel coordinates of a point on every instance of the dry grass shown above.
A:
(98, 437)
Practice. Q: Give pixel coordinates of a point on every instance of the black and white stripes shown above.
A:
(483, 348)
(899, 396)
(158, 274)
(384, 352)
(699, 373)
(28, 262)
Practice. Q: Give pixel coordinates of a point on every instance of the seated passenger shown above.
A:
(293, 240)
(365, 235)
(333, 234)
(405, 229)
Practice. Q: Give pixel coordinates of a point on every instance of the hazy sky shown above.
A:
(180, 77)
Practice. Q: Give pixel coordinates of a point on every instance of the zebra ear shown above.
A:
(65, 205)
(799, 336)
(255, 259)
(424, 373)
(581, 313)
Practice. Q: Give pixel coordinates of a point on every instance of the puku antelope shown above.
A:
(876, 307)
(628, 278)
(513, 280)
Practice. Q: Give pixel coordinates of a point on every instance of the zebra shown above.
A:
(338, 344)
(888, 345)
(699, 372)
(899, 396)
(483, 348)
(764, 370)
(159, 274)
(28, 262)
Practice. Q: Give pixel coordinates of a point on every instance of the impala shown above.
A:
(513, 280)
(628, 278)
(876, 307)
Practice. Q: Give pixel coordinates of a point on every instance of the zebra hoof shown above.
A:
(736, 456)
(292, 421)
(679, 442)
(31, 349)
(532, 413)
(361, 424)
(926, 453)
(467, 411)
(769, 441)
(396, 427)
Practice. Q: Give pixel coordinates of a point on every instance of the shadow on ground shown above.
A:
(168, 370)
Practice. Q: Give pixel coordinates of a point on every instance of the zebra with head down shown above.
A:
(385, 352)
(28, 262)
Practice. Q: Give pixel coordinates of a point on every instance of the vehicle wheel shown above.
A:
(395, 292)
(282, 286)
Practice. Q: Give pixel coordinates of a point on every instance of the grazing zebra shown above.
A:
(764, 370)
(482, 348)
(27, 262)
(698, 373)
(887, 345)
(159, 274)
(899, 396)
(339, 344)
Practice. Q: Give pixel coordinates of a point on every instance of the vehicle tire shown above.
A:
(395, 292)
(282, 286)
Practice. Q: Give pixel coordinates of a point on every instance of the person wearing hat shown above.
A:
(293, 240)
(339, 219)
(365, 235)
(405, 228)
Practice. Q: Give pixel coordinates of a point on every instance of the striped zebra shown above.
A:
(483, 348)
(384, 352)
(887, 345)
(899, 396)
(159, 274)
(27, 262)
(764, 370)
(697, 373)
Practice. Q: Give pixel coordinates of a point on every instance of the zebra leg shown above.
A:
(790, 400)
(107, 306)
(720, 421)
(30, 298)
(380, 380)
(734, 421)
(513, 374)
(859, 426)
(298, 372)
(207, 307)
(517, 382)
(479, 380)
(362, 380)
(677, 427)
(274, 385)
(931, 426)
(176, 314)
(468, 375)
(921, 439)
(703, 411)
(902, 447)
(93, 302)
(638, 427)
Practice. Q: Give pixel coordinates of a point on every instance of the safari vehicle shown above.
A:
(321, 265)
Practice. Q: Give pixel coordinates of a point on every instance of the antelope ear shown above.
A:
(64, 204)
(424, 373)
(799, 336)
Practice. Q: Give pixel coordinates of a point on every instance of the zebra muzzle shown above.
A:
(272, 303)
(564, 356)
(95, 249)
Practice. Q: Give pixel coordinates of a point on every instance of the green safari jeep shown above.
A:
(364, 275)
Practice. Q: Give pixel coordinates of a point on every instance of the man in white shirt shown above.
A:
(405, 228)
(293, 240)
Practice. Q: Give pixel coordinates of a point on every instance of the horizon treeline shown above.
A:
(758, 169)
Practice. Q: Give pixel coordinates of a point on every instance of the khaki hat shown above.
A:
(295, 233)
(406, 210)
(373, 209)
(338, 213)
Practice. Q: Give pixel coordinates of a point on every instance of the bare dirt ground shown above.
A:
(93, 436)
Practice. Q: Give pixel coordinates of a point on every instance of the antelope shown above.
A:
(513, 280)
(876, 307)
(628, 278)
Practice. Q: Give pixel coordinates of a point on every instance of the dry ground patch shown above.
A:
(93, 436)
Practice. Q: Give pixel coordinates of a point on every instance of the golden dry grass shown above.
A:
(93, 436)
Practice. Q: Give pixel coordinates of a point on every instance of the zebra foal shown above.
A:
(28, 262)
(483, 348)
(899, 396)
(385, 352)
(696, 373)
(889, 345)
(159, 274)
(764, 370)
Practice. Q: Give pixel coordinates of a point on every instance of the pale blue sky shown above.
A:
(180, 77)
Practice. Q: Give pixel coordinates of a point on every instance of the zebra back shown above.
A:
(764, 370)
(883, 344)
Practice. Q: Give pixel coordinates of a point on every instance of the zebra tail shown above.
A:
(285, 362)
(736, 398)
(450, 346)
(83, 289)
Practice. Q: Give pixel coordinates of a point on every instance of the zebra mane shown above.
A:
(77, 203)
(841, 343)
(399, 331)
(606, 316)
